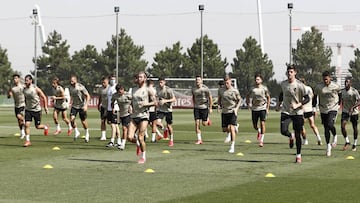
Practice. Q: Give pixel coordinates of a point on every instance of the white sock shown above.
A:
(112, 140)
(199, 136)
(69, 126)
(22, 131)
(119, 141)
(123, 142)
(144, 155)
(87, 131)
(298, 155)
(137, 142)
(58, 127)
(335, 139)
(259, 130)
(27, 137)
(232, 144)
(77, 131)
(103, 133)
(153, 136)
(318, 137)
(46, 127)
(171, 137)
(262, 137)
(347, 139)
(355, 142)
(328, 147)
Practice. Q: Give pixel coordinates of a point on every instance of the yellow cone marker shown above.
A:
(17, 134)
(149, 170)
(48, 166)
(166, 152)
(247, 141)
(350, 158)
(56, 148)
(83, 137)
(269, 175)
(239, 154)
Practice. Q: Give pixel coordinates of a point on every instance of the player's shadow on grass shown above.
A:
(237, 160)
(101, 161)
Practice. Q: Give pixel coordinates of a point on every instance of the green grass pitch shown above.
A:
(90, 172)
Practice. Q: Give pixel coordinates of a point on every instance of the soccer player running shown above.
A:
(260, 102)
(152, 116)
(19, 100)
(166, 97)
(142, 99)
(309, 112)
(60, 106)
(123, 100)
(80, 99)
(329, 94)
(110, 116)
(292, 97)
(350, 100)
(229, 101)
(102, 105)
(32, 95)
(202, 100)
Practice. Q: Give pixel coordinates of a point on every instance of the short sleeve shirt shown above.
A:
(77, 94)
(349, 99)
(259, 96)
(328, 97)
(293, 93)
(201, 97)
(165, 93)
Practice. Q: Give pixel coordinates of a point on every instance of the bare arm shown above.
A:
(43, 97)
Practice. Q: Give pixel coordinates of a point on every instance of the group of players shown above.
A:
(147, 106)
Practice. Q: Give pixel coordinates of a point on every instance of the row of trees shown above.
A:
(311, 57)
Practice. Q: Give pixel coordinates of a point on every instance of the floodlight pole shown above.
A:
(116, 10)
(201, 9)
(290, 7)
(35, 13)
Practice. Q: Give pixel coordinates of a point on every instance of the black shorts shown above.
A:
(328, 118)
(346, 116)
(137, 120)
(308, 114)
(297, 121)
(29, 115)
(103, 113)
(110, 116)
(82, 113)
(228, 119)
(201, 114)
(168, 116)
(125, 121)
(59, 109)
(19, 110)
(152, 116)
(256, 115)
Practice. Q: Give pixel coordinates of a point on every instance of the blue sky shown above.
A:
(157, 24)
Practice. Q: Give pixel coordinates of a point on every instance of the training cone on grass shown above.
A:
(269, 175)
(17, 134)
(56, 148)
(350, 158)
(48, 166)
(247, 141)
(149, 170)
(239, 154)
(166, 152)
(83, 137)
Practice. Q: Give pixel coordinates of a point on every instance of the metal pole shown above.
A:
(290, 7)
(260, 26)
(35, 42)
(201, 9)
(116, 9)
